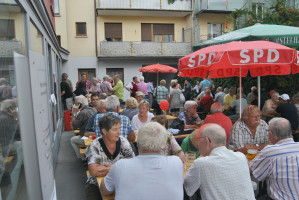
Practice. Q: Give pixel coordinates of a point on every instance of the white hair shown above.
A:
(189, 104)
(82, 100)
(95, 79)
(216, 107)
(281, 128)
(111, 103)
(152, 137)
(141, 78)
(105, 77)
(215, 132)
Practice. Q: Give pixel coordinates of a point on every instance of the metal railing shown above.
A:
(8, 47)
(144, 49)
(218, 5)
(146, 4)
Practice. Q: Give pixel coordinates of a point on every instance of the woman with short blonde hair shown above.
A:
(143, 117)
(131, 108)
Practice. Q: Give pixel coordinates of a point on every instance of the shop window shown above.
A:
(116, 71)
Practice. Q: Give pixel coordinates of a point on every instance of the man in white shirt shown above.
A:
(150, 175)
(222, 173)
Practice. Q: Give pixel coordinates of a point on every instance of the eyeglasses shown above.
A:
(255, 117)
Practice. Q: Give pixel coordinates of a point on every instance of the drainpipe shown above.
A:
(96, 27)
(192, 29)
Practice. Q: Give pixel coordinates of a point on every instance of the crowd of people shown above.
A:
(233, 123)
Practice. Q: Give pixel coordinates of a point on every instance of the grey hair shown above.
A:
(216, 107)
(100, 102)
(215, 132)
(95, 79)
(152, 137)
(7, 104)
(82, 100)
(111, 103)
(208, 91)
(141, 78)
(220, 88)
(189, 104)
(105, 77)
(3, 81)
(280, 127)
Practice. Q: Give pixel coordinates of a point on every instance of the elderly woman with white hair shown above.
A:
(106, 86)
(156, 176)
(95, 87)
(143, 117)
(190, 116)
(250, 131)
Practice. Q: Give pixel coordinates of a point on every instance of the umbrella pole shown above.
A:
(240, 93)
(259, 91)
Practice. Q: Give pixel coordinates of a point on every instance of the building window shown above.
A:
(56, 7)
(7, 29)
(90, 73)
(157, 32)
(81, 29)
(113, 32)
(116, 71)
(214, 30)
(258, 9)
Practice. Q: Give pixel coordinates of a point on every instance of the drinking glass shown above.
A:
(190, 157)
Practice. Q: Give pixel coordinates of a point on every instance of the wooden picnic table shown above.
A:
(88, 142)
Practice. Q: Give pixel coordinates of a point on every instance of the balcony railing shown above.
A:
(144, 49)
(8, 47)
(184, 5)
(218, 5)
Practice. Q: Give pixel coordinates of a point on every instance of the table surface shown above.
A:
(88, 142)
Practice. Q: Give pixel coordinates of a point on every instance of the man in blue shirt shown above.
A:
(203, 84)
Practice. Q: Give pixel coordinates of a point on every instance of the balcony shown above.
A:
(220, 6)
(8, 47)
(143, 49)
(8, 2)
(179, 8)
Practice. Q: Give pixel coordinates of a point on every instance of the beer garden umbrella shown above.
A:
(261, 58)
(158, 68)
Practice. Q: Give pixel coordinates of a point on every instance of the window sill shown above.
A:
(57, 15)
(81, 37)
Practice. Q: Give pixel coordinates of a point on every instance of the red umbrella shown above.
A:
(226, 60)
(158, 68)
(295, 69)
(236, 58)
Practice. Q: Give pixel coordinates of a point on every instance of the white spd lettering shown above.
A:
(211, 56)
(201, 57)
(243, 55)
(276, 55)
(257, 53)
(191, 61)
(297, 57)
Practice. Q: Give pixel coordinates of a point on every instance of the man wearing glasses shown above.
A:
(221, 173)
(278, 163)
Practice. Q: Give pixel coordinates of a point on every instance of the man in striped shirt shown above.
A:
(278, 164)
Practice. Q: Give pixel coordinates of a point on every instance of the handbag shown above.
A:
(182, 98)
(178, 124)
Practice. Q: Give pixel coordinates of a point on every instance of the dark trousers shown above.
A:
(92, 192)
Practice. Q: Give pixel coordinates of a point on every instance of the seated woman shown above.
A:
(271, 105)
(250, 131)
(105, 151)
(172, 147)
(190, 116)
(143, 117)
(190, 143)
(131, 108)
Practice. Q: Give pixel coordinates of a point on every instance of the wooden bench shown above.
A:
(180, 136)
(99, 180)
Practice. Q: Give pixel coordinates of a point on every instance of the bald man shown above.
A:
(221, 173)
